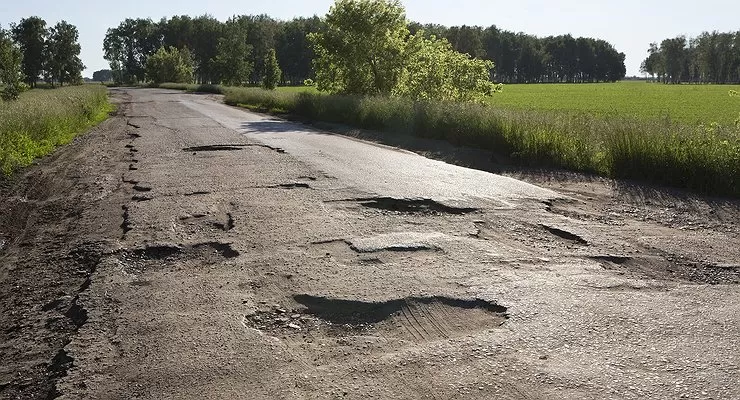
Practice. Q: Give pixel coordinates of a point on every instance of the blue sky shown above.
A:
(629, 24)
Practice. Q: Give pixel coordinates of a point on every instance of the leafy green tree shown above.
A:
(262, 31)
(10, 67)
(234, 60)
(366, 49)
(361, 49)
(434, 70)
(128, 46)
(104, 75)
(272, 71)
(62, 55)
(169, 64)
(294, 51)
(30, 34)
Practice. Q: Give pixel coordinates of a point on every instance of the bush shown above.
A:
(11, 92)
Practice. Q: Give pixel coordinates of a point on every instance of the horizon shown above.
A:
(623, 25)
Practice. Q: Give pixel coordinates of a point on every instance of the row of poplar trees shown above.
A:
(234, 52)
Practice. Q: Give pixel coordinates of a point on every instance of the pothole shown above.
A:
(142, 188)
(412, 206)
(410, 318)
(615, 259)
(563, 234)
(293, 185)
(157, 255)
(216, 147)
(198, 193)
(398, 242)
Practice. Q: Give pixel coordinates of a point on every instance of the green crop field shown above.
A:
(686, 104)
(689, 104)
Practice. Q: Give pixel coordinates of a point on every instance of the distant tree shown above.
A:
(674, 56)
(104, 75)
(10, 66)
(169, 64)
(30, 34)
(360, 51)
(271, 70)
(711, 58)
(294, 52)
(233, 62)
(62, 55)
(128, 46)
(207, 31)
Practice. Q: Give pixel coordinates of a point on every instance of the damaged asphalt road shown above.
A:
(189, 250)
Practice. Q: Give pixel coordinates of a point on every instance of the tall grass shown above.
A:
(192, 87)
(705, 159)
(41, 120)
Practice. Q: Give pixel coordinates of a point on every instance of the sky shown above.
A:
(630, 25)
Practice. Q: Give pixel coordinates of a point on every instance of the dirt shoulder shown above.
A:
(58, 219)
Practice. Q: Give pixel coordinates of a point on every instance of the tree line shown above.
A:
(234, 52)
(30, 50)
(709, 58)
(523, 58)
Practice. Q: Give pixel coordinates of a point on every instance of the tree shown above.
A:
(272, 71)
(234, 60)
(294, 52)
(434, 70)
(30, 35)
(360, 50)
(169, 64)
(104, 75)
(366, 49)
(10, 66)
(62, 55)
(128, 46)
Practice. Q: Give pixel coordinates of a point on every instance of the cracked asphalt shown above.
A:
(185, 249)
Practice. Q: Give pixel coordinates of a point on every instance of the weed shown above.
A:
(41, 120)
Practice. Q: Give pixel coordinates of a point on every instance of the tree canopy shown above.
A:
(10, 60)
(169, 64)
(30, 34)
(224, 52)
(709, 58)
(103, 75)
(62, 61)
(366, 48)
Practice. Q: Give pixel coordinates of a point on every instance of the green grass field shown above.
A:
(686, 104)
(41, 120)
(689, 104)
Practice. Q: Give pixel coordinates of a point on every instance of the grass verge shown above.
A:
(41, 120)
(704, 159)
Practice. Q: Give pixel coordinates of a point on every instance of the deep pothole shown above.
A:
(157, 255)
(216, 147)
(410, 318)
(412, 205)
(563, 234)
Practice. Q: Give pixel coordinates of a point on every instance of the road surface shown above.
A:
(189, 250)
